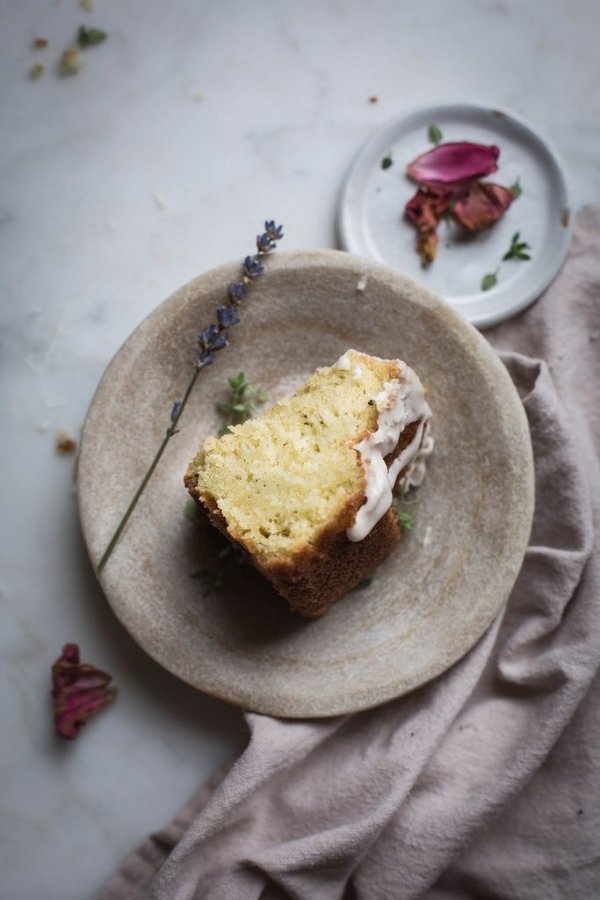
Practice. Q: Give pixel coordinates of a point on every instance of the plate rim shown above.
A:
(422, 294)
(344, 219)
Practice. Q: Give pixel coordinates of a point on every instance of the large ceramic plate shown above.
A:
(434, 596)
(371, 220)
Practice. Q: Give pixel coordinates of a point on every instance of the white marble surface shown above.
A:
(192, 123)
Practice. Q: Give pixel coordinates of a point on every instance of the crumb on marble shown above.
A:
(36, 71)
(40, 44)
(373, 99)
(65, 444)
(70, 62)
(198, 97)
(159, 200)
(88, 5)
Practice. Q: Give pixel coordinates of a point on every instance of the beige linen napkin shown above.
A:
(483, 783)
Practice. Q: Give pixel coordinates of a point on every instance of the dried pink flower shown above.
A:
(482, 206)
(424, 210)
(79, 691)
(453, 165)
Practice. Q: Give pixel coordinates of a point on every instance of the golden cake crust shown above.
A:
(316, 575)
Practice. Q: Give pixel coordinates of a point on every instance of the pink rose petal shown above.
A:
(79, 691)
(482, 206)
(453, 165)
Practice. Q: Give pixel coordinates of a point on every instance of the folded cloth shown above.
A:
(482, 783)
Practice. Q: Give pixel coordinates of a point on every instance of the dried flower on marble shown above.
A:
(210, 341)
(80, 691)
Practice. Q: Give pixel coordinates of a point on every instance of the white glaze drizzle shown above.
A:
(343, 362)
(415, 474)
(399, 404)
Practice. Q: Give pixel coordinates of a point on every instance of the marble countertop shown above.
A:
(160, 159)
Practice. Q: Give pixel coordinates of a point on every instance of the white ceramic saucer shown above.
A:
(371, 211)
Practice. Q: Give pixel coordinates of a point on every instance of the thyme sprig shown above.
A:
(228, 559)
(244, 398)
(210, 341)
(517, 248)
(406, 519)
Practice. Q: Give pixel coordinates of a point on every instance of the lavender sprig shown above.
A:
(210, 341)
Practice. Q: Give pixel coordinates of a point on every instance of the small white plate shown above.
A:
(371, 218)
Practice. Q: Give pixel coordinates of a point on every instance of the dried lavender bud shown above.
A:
(227, 316)
(264, 244)
(253, 268)
(236, 292)
(274, 232)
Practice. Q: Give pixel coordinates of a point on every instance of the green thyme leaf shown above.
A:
(517, 248)
(89, 37)
(386, 162)
(406, 520)
(364, 584)
(516, 189)
(244, 398)
(489, 281)
(227, 560)
(191, 511)
(434, 134)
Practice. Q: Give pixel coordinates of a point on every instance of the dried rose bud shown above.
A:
(453, 165)
(425, 210)
(482, 206)
(79, 691)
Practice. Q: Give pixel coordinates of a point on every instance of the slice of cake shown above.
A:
(306, 489)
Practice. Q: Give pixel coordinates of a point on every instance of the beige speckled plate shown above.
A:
(428, 603)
